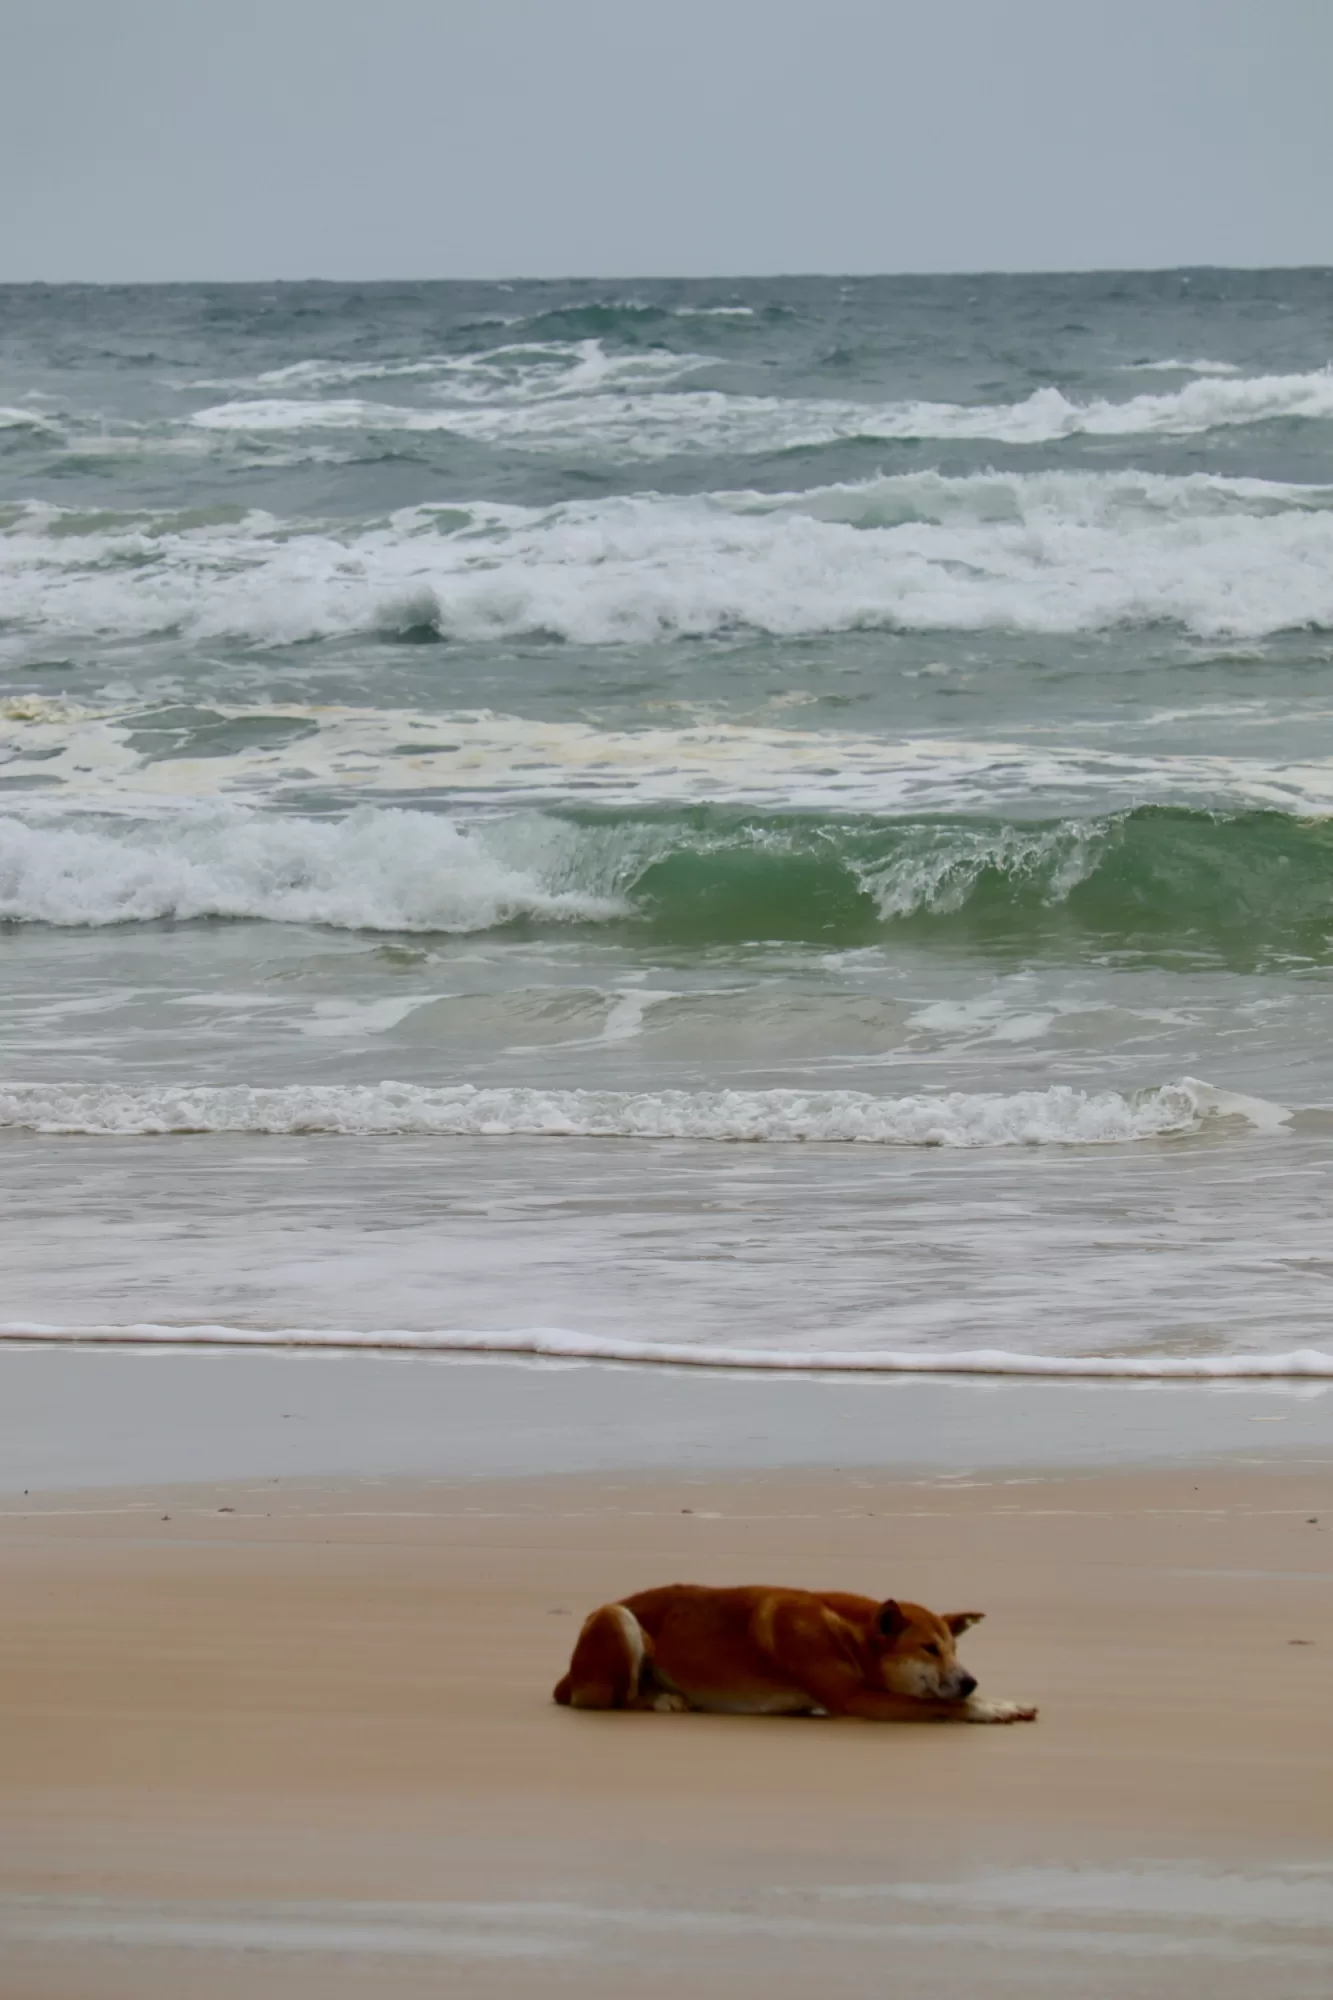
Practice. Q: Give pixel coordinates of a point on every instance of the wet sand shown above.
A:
(84, 1416)
(292, 1737)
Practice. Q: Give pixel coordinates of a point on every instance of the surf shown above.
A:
(1239, 888)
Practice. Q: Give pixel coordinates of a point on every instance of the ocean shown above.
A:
(774, 822)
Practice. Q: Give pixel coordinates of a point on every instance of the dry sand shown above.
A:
(295, 1739)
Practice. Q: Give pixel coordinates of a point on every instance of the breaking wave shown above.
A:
(514, 373)
(1243, 887)
(1041, 552)
(1058, 1116)
(608, 411)
(378, 871)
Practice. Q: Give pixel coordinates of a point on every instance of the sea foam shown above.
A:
(1057, 1116)
(1303, 1364)
(374, 870)
(1172, 365)
(604, 411)
(1041, 553)
(514, 372)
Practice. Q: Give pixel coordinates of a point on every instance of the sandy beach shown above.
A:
(292, 1736)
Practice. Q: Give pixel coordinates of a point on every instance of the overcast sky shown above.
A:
(158, 139)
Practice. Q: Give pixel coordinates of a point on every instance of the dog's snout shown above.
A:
(967, 1685)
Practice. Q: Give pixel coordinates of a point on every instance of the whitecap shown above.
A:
(1041, 553)
(518, 372)
(1174, 366)
(377, 871)
(657, 424)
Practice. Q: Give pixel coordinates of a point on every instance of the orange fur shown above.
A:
(755, 1650)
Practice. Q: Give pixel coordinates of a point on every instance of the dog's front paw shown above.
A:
(669, 1704)
(999, 1711)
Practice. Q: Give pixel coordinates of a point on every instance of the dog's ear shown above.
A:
(958, 1621)
(891, 1620)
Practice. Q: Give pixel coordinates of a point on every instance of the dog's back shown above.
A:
(757, 1649)
(726, 1650)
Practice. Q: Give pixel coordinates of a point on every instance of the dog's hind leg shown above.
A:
(612, 1666)
(608, 1661)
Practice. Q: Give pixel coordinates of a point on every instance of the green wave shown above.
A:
(1244, 888)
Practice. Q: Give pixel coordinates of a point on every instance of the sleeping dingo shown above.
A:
(760, 1651)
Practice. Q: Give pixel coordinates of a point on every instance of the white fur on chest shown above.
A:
(779, 1702)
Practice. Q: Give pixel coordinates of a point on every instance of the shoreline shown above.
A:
(1300, 1364)
(90, 1417)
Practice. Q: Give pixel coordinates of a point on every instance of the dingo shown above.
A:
(759, 1651)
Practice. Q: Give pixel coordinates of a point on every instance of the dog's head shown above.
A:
(917, 1651)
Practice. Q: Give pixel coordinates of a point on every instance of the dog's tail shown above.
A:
(611, 1656)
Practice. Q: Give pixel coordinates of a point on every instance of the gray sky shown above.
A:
(151, 139)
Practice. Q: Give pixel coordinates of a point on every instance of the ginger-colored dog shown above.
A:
(757, 1651)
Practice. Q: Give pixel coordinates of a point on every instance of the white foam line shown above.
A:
(560, 402)
(1172, 366)
(552, 1343)
(90, 761)
(1057, 1116)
